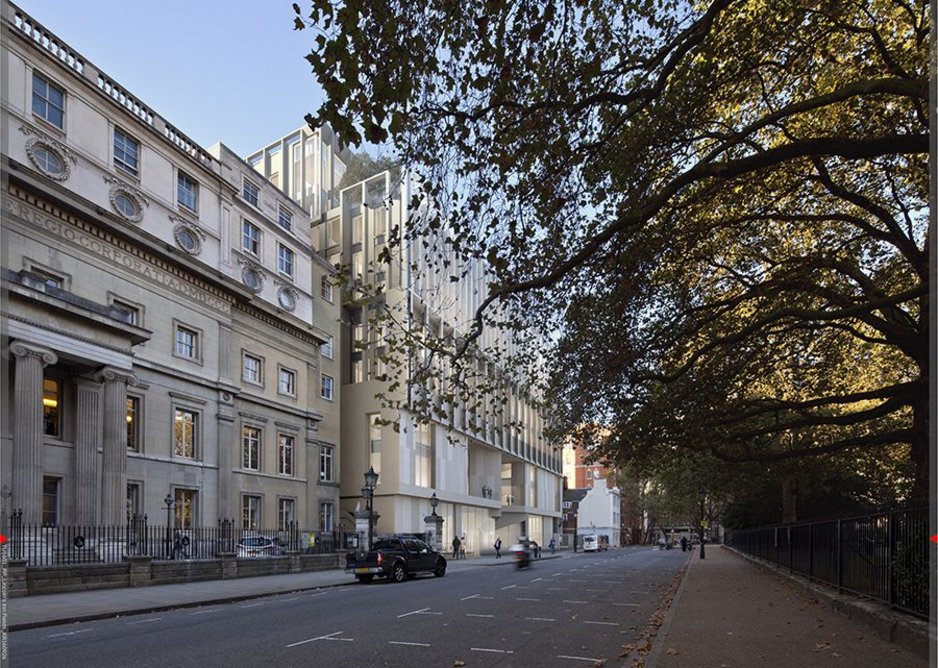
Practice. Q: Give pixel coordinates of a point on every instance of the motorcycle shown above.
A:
(522, 555)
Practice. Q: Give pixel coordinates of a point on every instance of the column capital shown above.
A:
(112, 373)
(23, 349)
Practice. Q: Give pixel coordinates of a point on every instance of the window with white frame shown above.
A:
(286, 445)
(250, 448)
(326, 387)
(374, 441)
(185, 505)
(286, 513)
(285, 258)
(185, 433)
(326, 516)
(129, 313)
(285, 217)
(327, 348)
(326, 463)
(187, 343)
(250, 238)
(134, 426)
(423, 456)
(48, 101)
(252, 369)
(126, 152)
(250, 192)
(51, 407)
(326, 289)
(286, 382)
(187, 191)
(250, 512)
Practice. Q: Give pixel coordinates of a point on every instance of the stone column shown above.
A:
(114, 457)
(27, 428)
(87, 438)
(226, 463)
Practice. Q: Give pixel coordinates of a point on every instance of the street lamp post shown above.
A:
(434, 524)
(368, 493)
(168, 500)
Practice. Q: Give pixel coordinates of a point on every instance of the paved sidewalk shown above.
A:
(48, 609)
(731, 613)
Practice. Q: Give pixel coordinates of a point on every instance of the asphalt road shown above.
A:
(560, 612)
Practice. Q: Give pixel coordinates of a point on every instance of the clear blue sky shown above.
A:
(230, 71)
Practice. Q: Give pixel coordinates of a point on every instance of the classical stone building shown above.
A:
(164, 333)
(490, 479)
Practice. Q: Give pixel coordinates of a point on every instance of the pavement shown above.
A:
(730, 612)
(727, 612)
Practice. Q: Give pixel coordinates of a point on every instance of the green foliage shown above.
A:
(718, 209)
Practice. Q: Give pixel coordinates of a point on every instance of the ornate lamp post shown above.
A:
(434, 524)
(168, 500)
(368, 493)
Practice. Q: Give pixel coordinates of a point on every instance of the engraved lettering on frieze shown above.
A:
(115, 255)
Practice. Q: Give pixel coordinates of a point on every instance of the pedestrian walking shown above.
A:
(456, 544)
(552, 545)
(179, 545)
(498, 547)
(683, 543)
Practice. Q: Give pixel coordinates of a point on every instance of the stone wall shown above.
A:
(143, 571)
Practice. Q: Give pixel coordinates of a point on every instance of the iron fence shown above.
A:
(52, 545)
(883, 556)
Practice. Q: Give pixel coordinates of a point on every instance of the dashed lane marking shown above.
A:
(578, 658)
(628, 605)
(69, 633)
(414, 612)
(497, 651)
(144, 621)
(250, 605)
(540, 619)
(466, 598)
(203, 612)
(411, 644)
(472, 614)
(330, 636)
(576, 601)
(528, 599)
(509, 587)
(603, 623)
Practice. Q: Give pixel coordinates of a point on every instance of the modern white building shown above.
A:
(491, 480)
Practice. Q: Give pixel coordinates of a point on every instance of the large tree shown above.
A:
(719, 209)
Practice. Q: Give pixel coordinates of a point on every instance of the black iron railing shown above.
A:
(882, 556)
(51, 545)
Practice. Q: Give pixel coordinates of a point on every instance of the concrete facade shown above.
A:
(491, 480)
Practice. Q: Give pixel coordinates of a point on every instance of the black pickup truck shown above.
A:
(396, 559)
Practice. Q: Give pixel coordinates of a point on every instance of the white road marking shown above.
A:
(466, 598)
(322, 593)
(576, 601)
(628, 605)
(579, 581)
(69, 633)
(540, 619)
(497, 651)
(556, 574)
(537, 579)
(577, 658)
(407, 614)
(509, 587)
(286, 600)
(471, 614)
(203, 612)
(556, 589)
(528, 599)
(412, 644)
(603, 623)
(145, 621)
(250, 605)
(330, 636)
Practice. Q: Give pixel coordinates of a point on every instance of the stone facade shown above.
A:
(161, 329)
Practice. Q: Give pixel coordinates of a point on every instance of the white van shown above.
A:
(590, 543)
